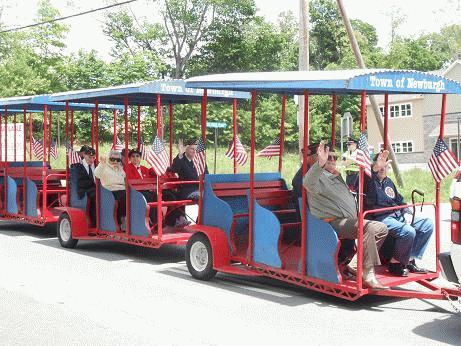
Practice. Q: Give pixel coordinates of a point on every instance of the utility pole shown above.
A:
(374, 104)
(303, 61)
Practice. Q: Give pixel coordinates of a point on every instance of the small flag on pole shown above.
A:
(157, 157)
(74, 157)
(272, 149)
(199, 158)
(363, 155)
(143, 150)
(442, 161)
(119, 145)
(54, 149)
(241, 154)
(37, 148)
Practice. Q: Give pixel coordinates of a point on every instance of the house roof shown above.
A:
(373, 81)
(145, 93)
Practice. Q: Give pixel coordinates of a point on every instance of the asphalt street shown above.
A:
(104, 293)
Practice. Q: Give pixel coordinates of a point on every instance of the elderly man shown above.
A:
(297, 181)
(330, 198)
(183, 166)
(410, 240)
(85, 179)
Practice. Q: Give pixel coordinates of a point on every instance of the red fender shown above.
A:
(78, 221)
(219, 244)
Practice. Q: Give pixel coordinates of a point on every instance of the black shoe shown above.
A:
(398, 269)
(413, 268)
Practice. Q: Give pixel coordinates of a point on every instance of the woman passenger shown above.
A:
(110, 173)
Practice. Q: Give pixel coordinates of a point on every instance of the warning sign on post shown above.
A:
(15, 138)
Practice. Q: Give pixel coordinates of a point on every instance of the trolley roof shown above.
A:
(144, 94)
(38, 102)
(373, 81)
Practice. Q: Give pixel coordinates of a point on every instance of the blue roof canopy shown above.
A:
(38, 102)
(144, 94)
(372, 81)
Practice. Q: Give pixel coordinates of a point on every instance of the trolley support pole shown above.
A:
(67, 155)
(234, 138)
(437, 188)
(203, 133)
(5, 179)
(45, 134)
(95, 136)
(92, 127)
(363, 111)
(50, 127)
(72, 128)
(114, 140)
(282, 132)
(139, 127)
(386, 121)
(159, 181)
(127, 189)
(30, 137)
(252, 176)
(171, 132)
(24, 189)
(304, 196)
(333, 120)
(14, 131)
(1, 140)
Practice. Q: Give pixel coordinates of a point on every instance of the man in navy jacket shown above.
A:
(410, 239)
(183, 166)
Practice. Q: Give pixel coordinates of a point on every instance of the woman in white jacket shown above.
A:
(112, 177)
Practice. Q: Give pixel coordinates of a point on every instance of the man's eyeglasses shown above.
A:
(331, 158)
(114, 159)
(135, 155)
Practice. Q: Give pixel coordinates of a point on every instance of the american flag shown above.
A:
(363, 154)
(143, 150)
(118, 145)
(37, 148)
(242, 156)
(272, 149)
(442, 161)
(74, 157)
(199, 158)
(157, 157)
(54, 150)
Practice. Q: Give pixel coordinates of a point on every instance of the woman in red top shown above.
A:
(134, 170)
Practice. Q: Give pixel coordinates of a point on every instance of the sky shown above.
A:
(421, 16)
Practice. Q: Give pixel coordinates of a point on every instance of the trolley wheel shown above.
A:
(199, 257)
(64, 230)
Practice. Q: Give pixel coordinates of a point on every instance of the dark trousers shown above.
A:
(120, 197)
(352, 180)
(173, 213)
(91, 195)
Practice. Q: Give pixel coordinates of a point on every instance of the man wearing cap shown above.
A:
(349, 161)
(330, 199)
(183, 166)
(410, 239)
(85, 179)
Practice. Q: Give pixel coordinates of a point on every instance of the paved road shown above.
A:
(104, 293)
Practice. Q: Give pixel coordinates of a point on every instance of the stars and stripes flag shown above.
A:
(74, 157)
(199, 158)
(157, 157)
(54, 150)
(442, 161)
(143, 150)
(272, 149)
(241, 155)
(37, 148)
(363, 154)
(118, 145)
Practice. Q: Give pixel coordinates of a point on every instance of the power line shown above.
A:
(67, 17)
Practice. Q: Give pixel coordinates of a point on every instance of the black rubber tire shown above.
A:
(208, 272)
(71, 242)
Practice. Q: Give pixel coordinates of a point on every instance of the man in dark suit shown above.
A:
(183, 166)
(86, 181)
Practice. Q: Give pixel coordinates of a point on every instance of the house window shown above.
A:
(454, 146)
(400, 147)
(398, 111)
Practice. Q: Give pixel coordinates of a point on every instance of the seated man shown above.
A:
(183, 166)
(134, 170)
(85, 180)
(330, 198)
(410, 240)
(297, 181)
